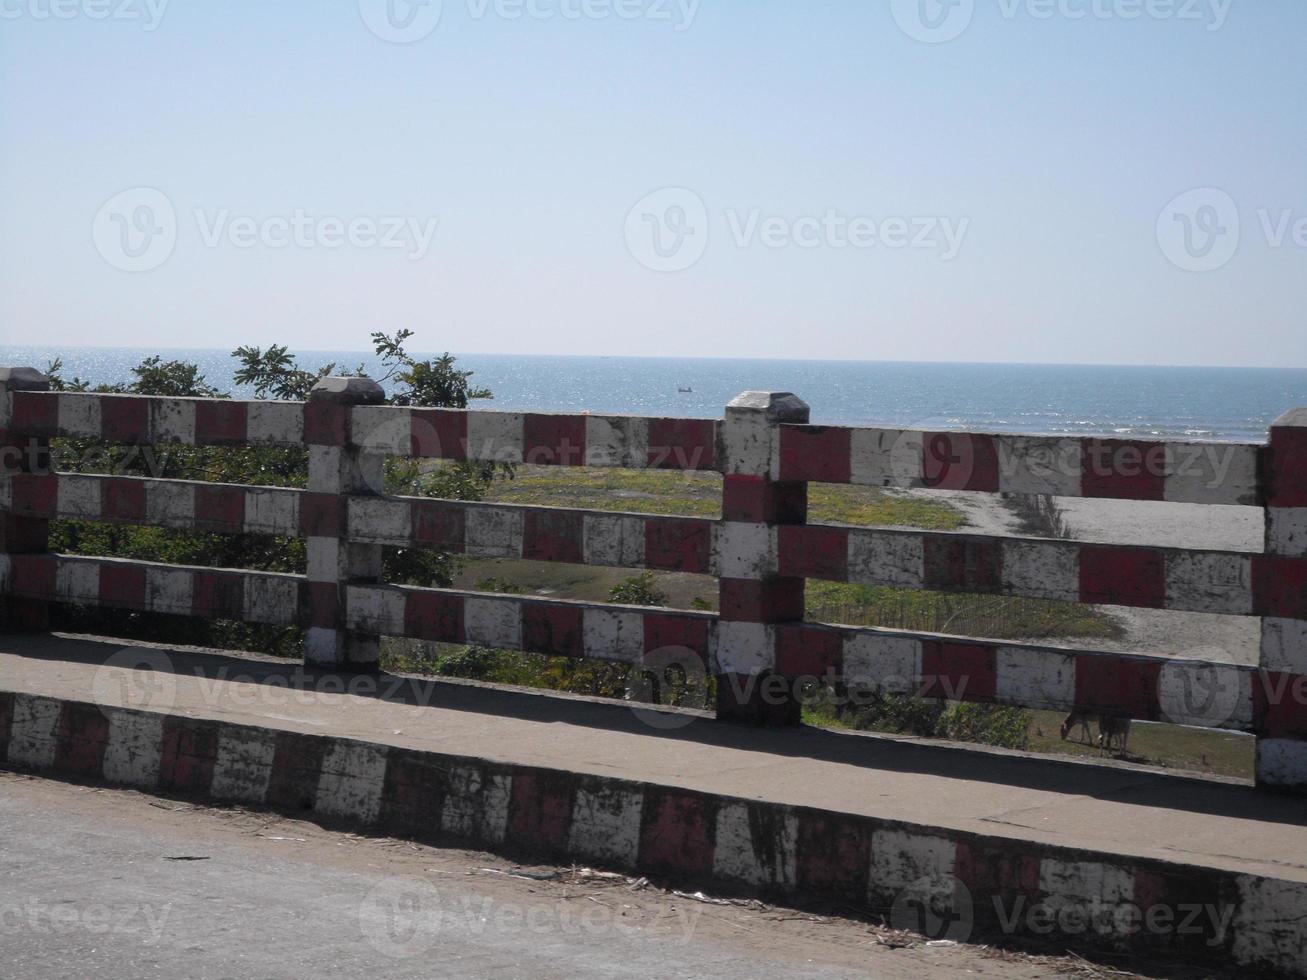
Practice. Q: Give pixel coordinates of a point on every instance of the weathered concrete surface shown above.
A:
(929, 835)
(1112, 808)
(91, 889)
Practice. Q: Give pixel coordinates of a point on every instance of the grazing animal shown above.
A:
(1113, 733)
(1080, 718)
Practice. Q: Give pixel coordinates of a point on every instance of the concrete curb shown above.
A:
(946, 883)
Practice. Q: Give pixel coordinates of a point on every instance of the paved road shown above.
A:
(106, 882)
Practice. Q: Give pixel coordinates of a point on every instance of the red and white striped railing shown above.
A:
(1178, 472)
(758, 646)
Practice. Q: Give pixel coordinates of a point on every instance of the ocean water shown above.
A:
(1196, 403)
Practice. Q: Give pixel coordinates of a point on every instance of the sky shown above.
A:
(1049, 181)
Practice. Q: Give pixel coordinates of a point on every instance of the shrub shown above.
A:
(640, 590)
(991, 724)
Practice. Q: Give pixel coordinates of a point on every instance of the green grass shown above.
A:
(1164, 746)
(1211, 753)
(832, 504)
(991, 616)
(1168, 746)
(700, 495)
(643, 491)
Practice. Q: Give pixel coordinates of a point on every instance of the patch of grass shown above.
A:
(700, 495)
(643, 491)
(1214, 753)
(588, 583)
(994, 617)
(589, 677)
(830, 503)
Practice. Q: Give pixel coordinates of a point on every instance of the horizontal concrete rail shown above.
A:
(547, 534)
(1142, 687)
(1179, 472)
(184, 504)
(597, 631)
(544, 440)
(1228, 583)
(1147, 688)
(551, 534)
(212, 593)
(508, 437)
(865, 659)
(147, 420)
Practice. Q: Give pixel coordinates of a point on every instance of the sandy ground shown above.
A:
(236, 892)
(1225, 639)
(1206, 526)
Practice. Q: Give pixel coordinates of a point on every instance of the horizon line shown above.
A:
(689, 357)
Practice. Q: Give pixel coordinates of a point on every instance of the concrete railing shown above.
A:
(759, 647)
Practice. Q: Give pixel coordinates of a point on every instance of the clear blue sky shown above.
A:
(1050, 145)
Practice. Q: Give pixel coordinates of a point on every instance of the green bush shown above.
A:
(639, 590)
(835, 706)
(272, 373)
(991, 724)
(474, 663)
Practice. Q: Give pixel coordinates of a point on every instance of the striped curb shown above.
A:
(732, 845)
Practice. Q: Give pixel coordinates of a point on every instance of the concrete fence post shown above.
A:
(754, 596)
(20, 535)
(1282, 747)
(338, 468)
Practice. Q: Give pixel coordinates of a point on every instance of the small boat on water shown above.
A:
(685, 391)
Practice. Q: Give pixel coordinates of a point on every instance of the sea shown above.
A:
(1201, 403)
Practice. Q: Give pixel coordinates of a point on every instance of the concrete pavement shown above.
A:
(951, 841)
(103, 883)
(1111, 808)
